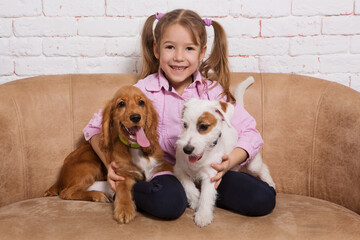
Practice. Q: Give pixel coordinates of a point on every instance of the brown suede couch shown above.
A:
(311, 130)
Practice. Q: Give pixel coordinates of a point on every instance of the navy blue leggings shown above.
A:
(165, 198)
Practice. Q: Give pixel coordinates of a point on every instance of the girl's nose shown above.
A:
(179, 55)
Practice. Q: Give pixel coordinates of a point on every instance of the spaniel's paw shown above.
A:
(125, 213)
(100, 197)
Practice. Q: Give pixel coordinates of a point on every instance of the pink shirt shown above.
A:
(168, 104)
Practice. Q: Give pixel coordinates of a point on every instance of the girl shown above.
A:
(172, 72)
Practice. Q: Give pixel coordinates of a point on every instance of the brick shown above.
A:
(42, 65)
(243, 64)
(287, 64)
(355, 82)
(5, 27)
(318, 45)
(341, 63)
(205, 8)
(20, 8)
(290, 26)
(357, 6)
(74, 8)
(341, 78)
(44, 27)
(265, 8)
(26, 46)
(4, 46)
(74, 46)
(6, 66)
(126, 47)
(258, 46)
(322, 7)
(106, 65)
(108, 27)
(139, 8)
(355, 44)
(10, 78)
(235, 8)
(240, 26)
(341, 25)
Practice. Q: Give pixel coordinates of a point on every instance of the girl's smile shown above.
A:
(179, 56)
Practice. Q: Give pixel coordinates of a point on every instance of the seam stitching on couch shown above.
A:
(71, 93)
(262, 108)
(318, 105)
(22, 143)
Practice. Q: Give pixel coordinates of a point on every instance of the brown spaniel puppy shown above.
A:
(129, 137)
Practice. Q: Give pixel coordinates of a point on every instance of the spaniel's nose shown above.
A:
(188, 149)
(135, 118)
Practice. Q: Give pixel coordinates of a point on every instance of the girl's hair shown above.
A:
(215, 67)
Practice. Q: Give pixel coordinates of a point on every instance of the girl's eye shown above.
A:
(141, 103)
(190, 48)
(169, 47)
(121, 104)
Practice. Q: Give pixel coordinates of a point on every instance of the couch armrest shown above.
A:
(335, 170)
(12, 170)
(311, 132)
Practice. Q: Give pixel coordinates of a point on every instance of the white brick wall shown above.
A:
(319, 38)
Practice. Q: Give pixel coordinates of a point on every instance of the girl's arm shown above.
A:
(92, 134)
(111, 176)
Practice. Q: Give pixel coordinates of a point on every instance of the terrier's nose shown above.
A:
(135, 118)
(188, 149)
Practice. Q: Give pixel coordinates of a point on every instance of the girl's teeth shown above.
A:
(178, 68)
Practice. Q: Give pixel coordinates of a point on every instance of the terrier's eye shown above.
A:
(121, 104)
(203, 127)
(185, 125)
(141, 103)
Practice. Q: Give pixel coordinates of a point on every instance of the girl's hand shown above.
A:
(112, 177)
(237, 156)
(221, 168)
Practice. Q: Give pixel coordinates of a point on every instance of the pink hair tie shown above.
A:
(159, 15)
(207, 22)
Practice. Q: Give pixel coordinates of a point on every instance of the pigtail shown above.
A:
(150, 64)
(218, 62)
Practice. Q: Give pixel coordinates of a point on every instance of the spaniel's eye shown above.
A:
(141, 103)
(121, 104)
(185, 125)
(203, 127)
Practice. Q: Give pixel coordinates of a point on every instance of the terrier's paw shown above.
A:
(203, 218)
(124, 213)
(193, 199)
(193, 204)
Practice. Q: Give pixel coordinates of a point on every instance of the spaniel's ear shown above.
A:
(151, 124)
(105, 136)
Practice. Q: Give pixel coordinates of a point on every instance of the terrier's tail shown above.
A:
(239, 91)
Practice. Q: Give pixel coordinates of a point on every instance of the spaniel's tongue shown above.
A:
(141, 138)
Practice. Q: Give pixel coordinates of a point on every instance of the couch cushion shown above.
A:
(295, 217)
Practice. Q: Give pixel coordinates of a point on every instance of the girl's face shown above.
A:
(179, 56)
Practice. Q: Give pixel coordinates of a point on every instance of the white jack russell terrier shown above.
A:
(207, 135)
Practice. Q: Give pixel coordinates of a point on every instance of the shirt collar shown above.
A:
(158, 81)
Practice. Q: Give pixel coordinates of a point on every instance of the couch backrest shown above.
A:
(310, 129)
